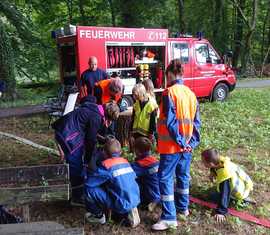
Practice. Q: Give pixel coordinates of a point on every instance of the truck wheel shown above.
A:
(220, 92)
(127, 101)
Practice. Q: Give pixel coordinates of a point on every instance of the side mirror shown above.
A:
(227, 58)
(229, 54)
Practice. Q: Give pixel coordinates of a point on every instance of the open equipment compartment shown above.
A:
(136, 61)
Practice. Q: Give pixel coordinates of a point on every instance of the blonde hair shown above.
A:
(149, 86)
(140, 91)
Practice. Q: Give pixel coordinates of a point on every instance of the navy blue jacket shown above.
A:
(2, 85)
(146, 170)
(79, 127)
(90, 78)
(118, 178)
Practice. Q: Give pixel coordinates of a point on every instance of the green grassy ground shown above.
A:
(31, 96)
(239, 128)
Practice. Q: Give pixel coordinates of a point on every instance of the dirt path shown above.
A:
(253, 84)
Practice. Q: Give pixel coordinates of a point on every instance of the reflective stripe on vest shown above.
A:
(122, 171)
(141, 122)
(240, 182)
(185, 103)
(167, 198)
(153, 170)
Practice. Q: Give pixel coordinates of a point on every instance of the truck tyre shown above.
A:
(127, 101)
(220, 92)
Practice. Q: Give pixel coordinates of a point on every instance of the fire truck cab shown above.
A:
(135, 54)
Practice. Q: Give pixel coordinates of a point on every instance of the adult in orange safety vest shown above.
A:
(178, 134)
(109, 89)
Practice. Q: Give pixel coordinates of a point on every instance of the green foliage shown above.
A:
(30, 97)
(6, 60)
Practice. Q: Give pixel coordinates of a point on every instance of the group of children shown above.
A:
(119, 186)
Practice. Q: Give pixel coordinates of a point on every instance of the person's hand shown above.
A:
(220, 218)
(188, 149)
(212, 177)
(151, 138)
(131, 144)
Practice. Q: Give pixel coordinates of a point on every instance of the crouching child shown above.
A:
(146, 168)
(231, 181)
(112, 186)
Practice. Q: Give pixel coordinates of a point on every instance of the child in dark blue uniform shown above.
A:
(112, 186)
(146, 168)
(76, 136)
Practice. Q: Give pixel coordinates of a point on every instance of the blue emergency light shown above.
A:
(199, 35)
(53, 34)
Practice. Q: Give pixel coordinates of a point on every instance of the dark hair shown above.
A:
(143, 144)
(111, 111)
(175, 67)
(112, 145)
(211, 156)
(116, 85)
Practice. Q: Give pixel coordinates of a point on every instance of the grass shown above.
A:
(31, 96)
(239, 128)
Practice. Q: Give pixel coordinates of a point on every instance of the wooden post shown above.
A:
(25, 213)
(123, 126)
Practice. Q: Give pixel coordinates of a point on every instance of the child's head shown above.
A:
(149, 86)
(111, 111)
(142, 145)
(139, 92)
(112, 147)
(115, 86)
(210, 158)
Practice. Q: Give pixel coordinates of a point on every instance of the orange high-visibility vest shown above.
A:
(106, 96)
(185, 103)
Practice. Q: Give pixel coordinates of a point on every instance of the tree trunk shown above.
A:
(268, 40)
(182, 25)
(220, 25)
(265, 21)
(112, 12)
(123, 127)
(7, 67)
(238, 36)
(83, 20)
(251, 29)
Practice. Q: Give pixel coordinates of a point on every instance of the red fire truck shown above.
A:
(138, 53)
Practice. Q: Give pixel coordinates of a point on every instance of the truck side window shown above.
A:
(202, 53)
(180, 51)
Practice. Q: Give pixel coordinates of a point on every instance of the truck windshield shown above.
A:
(204, 52)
